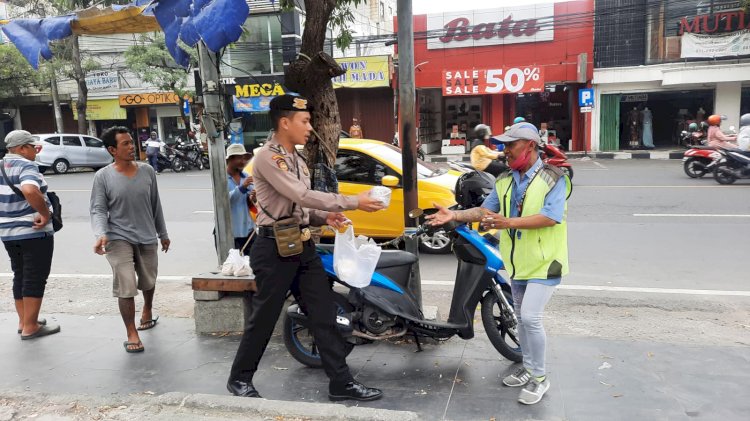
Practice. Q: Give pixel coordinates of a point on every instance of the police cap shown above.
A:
(290, 103)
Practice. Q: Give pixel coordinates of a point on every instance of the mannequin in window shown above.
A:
(634, 132)
(647, 129)
(700, 115)
(355, 131)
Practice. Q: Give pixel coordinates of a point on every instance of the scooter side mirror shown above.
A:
(415, 213)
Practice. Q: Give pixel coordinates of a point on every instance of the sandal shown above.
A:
(149, 324)
(40, 321)
(139, 344)
(44, 330)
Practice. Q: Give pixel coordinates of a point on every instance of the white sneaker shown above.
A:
(534, 391)
(519, 378)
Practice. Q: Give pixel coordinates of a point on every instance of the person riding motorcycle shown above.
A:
(717, 138)
(518, 120)
(482, 157)
(743, 138)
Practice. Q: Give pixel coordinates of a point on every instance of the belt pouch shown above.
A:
(288, 237)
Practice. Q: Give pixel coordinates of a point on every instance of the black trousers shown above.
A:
(30, 261)
(239, 242)
(274, 276)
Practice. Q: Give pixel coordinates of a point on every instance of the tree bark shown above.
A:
(83, 90)
(310, 75)
(56, 105)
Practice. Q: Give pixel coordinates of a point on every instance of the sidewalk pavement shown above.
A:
(638, 154)
(592, 379)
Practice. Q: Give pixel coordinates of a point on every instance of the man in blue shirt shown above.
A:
(240, 186)
(531, 216)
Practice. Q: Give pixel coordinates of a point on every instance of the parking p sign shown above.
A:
(586, 97)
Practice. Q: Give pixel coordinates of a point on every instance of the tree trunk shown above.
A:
(83, 90)
(310, 75)
(56, 105)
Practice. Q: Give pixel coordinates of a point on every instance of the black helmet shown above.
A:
(482, 131)
(472, 188)
(704, 126)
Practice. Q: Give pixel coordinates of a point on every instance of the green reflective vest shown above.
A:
(540, 253)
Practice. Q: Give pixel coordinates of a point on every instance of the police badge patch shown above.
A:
(281, 163)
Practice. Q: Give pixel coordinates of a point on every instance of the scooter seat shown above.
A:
(388, 258)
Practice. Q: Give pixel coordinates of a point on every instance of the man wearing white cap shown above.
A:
(240, 186)
(528, 206)
(26, 231)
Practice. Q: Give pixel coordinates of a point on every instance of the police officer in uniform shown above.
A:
(282, 185)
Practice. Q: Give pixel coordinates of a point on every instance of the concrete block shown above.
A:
(207, 295)
(224, 315)
(431, 313)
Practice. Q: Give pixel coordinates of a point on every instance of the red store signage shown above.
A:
(509, 25)
(508, 80)
(733, 20)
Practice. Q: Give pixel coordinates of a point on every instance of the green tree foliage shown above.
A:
(150, 60)
(16, 74)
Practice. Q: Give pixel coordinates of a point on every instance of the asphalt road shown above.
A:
(632, 223)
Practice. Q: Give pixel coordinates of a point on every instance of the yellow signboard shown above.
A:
(364, 72)
(102, 109)
(158, 98)
(262, 89)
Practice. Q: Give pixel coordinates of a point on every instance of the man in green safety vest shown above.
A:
(529, 207)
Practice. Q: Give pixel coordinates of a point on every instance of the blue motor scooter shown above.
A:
(387, 309)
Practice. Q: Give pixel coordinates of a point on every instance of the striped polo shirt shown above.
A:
(16, 214)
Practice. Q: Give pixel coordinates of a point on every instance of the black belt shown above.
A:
(267, 231)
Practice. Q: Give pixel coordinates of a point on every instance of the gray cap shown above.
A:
(20, 138)
(520, 131)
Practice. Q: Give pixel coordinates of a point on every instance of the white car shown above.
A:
(62, 152)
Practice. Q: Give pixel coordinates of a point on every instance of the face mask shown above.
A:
(520, 163)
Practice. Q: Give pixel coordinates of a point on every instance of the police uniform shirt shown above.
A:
(281, 179)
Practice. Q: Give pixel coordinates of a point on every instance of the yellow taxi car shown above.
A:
(362, 164)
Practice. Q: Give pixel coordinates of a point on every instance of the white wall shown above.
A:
(368, 21)
(727, 102)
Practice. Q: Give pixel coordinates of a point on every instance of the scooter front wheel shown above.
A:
(501, 326)
(299, 339)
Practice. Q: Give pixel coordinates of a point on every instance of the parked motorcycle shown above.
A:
(171, 158)
(700, 160)
(691, 139)
(553, 155)
(193, 153)
(735, 164)
(386, 308)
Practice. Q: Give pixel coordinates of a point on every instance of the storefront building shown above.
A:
(364, 92)
(249, 100)
(155, 111)
(490, 66)
(657, 72)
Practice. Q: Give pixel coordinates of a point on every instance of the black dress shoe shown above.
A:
(242, 388)
(354, 391)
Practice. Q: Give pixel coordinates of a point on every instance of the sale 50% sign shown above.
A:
(508, 80)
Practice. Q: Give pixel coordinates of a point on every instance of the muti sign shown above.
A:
(149, 99)
(256, 90)
(510, 25)
(731, 20)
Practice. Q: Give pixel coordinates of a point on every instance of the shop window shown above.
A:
(259, 51)
(71, 141)
(357, 168)
(92, 142)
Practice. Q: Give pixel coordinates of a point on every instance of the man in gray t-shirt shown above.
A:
(128, 224)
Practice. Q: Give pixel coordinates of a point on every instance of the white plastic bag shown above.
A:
(354, 259)
(236, 264)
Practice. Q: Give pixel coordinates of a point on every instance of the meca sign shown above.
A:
(510, 25)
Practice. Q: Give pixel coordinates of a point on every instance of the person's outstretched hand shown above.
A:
(368, 203)
(441, 217)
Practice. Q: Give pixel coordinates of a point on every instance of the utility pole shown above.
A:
(407, 131)
(56, 104)
(213, 121)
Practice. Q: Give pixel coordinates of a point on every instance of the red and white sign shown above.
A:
(477, 28)
(508, 80)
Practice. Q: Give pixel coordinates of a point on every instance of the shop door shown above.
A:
(609, 127)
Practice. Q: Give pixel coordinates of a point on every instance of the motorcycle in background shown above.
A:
(735, 164)
(700, 160)
(554, 156)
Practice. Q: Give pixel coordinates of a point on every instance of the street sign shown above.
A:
(586, 98)
(586, 109)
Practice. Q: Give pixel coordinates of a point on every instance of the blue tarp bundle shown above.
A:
(217, 22)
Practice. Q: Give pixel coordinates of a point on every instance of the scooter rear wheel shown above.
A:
(500, 326)
(299, 340)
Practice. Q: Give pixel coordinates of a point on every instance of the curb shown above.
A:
(661, 155)
(282, 409)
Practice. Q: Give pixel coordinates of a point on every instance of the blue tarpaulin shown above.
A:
(32, 36)
(217, 22)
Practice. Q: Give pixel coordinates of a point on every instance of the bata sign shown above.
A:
(509, 25)
(508, 80)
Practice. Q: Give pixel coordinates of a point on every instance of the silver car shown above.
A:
(62, 152)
